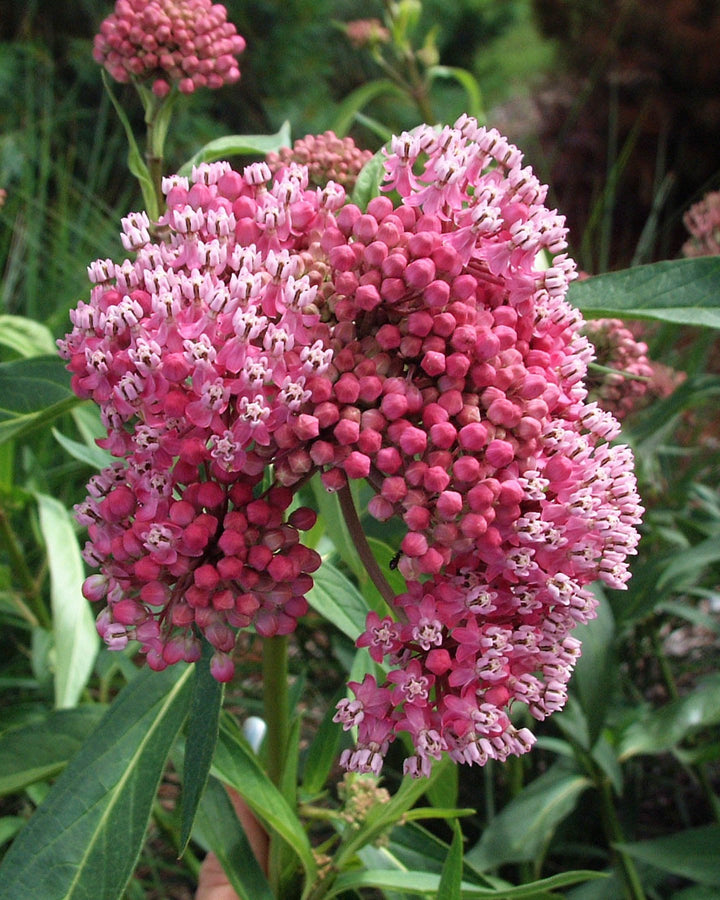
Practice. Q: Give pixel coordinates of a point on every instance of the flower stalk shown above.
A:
(357, 533)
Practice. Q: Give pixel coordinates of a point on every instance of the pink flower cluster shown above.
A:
(282, 331)
(327, 157)
(185, 42)
(702, 220)
(617, 348)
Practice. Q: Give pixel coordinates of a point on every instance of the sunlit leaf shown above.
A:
(370, 177)
(239, 145)
(596, 672)
(76, 638)
(91, 455)
(467, 81)
(422, 882)
(136, 163)
(450, 887)
(26, 337)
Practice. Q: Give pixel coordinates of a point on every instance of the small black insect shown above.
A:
(395, 560)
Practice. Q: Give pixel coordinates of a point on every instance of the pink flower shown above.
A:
(413, 344)
(188, 43)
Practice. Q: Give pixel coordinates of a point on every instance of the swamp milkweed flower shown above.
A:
(282, 330)
(189, 43)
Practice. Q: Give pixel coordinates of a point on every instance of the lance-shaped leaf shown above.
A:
(202, 735)
(83, 842)
(693, 853)
(659, 730)
(337, 599)
(239, 145)
(26, 337)
(424, 883)
(686, 291)
(236, 765)
(74, 632)
(41, 750)
(218, 826)
(522, 830)
(33, 392)
(450, 887)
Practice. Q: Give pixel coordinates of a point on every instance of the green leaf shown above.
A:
(337, 599)
(9, 827)
(202, 734)
(217, 824)
(236, 765)
(523, 829)
(358, 99)
(33, 392)
(685, 610)
(336, 528)
(370, 177)
(239, 145)
(422, 882)
(26, 337)
(693, 853)
(661, 729)
(385, 554)
(91, 455)
(322, 752)
(40, 750)
(450, 887)
(136, 163)
(596, 672)
(444, 790)
(76, 638)
(686, 291)
(685, 568)
(697, 892)
(83, 842)
(468, 82)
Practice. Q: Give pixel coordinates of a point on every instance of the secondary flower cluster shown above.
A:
(185, 42)
(622, 390)
(280, 332)
(702, 220)
(327, 157)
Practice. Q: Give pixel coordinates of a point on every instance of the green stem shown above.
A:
(361, 545)
(277, 720)
(665, 670)
(154, 160)
(34, 610)
(276, 705)
(614, 833)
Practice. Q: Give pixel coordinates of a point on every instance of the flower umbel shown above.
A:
(413, 344)
(185, 42)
